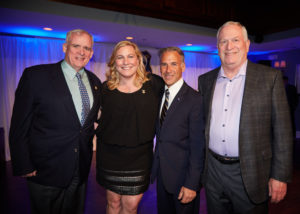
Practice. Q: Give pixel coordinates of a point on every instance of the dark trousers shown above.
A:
(167, 203)
(225, 191)
(54, 200)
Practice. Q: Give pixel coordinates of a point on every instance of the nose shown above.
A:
(125, 61)
(229, 45)
(168, 69)
(81, 51)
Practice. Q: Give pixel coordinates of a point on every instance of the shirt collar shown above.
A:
(173, 89)
(69, 71)
(242, 71)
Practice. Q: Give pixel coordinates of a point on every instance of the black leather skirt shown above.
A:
(124, 182)
(124, 170)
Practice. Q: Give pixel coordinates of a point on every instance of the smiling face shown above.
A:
(78, 51)
(233, 47)
(171, 67)
(126, 62)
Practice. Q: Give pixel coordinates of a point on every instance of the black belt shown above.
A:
(224, 159)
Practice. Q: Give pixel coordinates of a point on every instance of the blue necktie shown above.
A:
(165, 107)
(84, 98)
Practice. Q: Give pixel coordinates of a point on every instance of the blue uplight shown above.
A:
(259, 52)
(30, 31)
(213, 52)
(195, 48)
(39, 32)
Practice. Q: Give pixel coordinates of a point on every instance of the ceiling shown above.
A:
(269, 34)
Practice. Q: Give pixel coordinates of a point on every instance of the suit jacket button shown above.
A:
(75, 150)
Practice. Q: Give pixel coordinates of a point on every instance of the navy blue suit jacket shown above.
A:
(179, 152)
(45, 133)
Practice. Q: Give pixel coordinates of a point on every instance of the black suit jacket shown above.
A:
(45, 133)
(179, 151)
(265, 137)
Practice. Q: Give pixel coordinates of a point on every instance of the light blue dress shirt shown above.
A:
(72, 82)
(225, 113)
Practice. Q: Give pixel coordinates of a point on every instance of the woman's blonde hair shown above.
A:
(113, 77)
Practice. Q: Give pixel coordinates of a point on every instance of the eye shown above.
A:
(222, 42)
(75, 46)
(87, 48)
(119, 57)
(174, 63)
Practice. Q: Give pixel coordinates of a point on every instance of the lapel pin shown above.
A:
(144, 91)
(96, 88)
(178, 98)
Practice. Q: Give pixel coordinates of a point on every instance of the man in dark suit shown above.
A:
(248, 129)
(52, 128)
(179, 152)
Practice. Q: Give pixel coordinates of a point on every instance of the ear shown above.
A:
(92, 53)
(183, 67)
(65, 47)
(248, 45)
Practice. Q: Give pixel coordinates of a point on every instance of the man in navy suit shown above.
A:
(179, 152)
(52, 128)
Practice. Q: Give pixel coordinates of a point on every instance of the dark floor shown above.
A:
(14, 194)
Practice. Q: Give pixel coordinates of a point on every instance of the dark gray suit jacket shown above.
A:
(45, 133)
(179, 151)
(265, 137)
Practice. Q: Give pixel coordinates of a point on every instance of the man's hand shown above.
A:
(186, 195)
(277, 190)
(30, 174)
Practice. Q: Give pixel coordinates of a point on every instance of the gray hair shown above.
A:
(244, 30)
(78, 32)
(176, 49)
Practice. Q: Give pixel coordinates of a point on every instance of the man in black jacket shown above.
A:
(52, 128)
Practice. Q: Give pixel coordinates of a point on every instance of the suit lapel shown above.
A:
(63, 92)
(208, 98)
(179, 98)
(252, 77)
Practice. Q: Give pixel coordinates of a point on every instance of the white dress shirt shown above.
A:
(173, 89)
